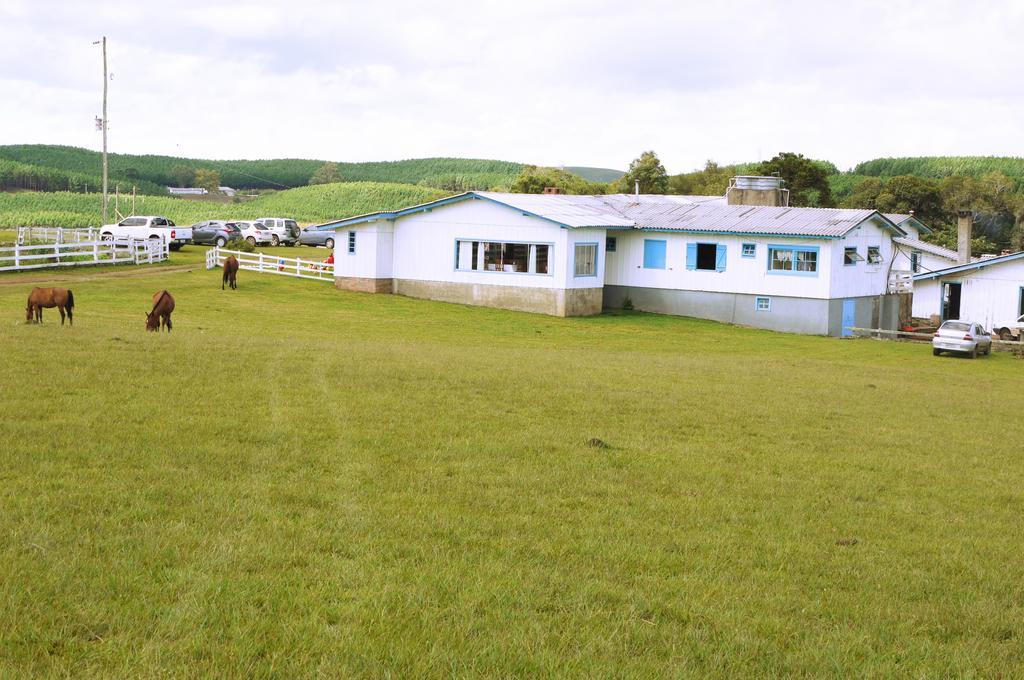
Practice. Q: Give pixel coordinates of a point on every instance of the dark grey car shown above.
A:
(214, 232)
(311, 237)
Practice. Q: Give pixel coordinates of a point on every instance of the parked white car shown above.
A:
(149, 226)
(963, 337)
(1011, 330)
(284, 230)
(255, 233)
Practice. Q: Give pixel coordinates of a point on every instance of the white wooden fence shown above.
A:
(30, 235)
(115, 251)
(272, 264)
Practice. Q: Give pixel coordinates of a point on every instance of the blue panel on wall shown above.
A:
(654, 254)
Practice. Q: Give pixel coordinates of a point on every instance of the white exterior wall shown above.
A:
(862, 279)
(989, 296)
(741, 275)
(374, 251)
(928, 261)
(424, 246)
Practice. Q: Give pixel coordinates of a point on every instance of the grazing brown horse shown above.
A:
(61, 298)
(163, 305)
(230, 270)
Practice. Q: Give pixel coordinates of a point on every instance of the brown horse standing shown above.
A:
(230, 270)
(61, 298)
(163, 305)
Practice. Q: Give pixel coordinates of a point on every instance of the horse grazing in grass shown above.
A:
(61, 298)
(230, 270)
(163, 305)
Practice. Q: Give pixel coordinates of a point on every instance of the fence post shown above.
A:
(261, 263)
(95, 252)
(17, 259)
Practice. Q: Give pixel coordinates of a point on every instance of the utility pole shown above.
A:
(103, 126)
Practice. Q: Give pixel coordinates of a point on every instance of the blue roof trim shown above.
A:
(717, 232)
(968, 267)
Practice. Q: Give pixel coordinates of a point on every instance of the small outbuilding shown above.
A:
(989, 291)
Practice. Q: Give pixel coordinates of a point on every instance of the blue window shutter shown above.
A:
(654, 254)
(720, 258)
(691, 255)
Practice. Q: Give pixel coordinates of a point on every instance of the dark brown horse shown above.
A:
(163, 305)
(230, 270)
(61, 298)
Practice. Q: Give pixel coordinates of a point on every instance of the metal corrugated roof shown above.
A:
(571, 211)
(927, 247)
(707, 214)
(979, 264)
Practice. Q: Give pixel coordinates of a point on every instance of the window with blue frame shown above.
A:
(610, 244)
(351, 243)
(749, 250)
(709, 257)
(763, 304)
(586, 259)
(654, 254)
(797, 260)
(915, 262)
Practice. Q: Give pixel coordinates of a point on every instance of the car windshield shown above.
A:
(133, 222)
(956, 326)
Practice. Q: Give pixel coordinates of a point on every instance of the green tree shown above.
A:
(326, 174)
(181, 175)
(806, 179)
(649, 171)
(713, 180)
(207, 179)
(534, 179)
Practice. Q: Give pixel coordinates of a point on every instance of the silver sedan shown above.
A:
(310, 236)
(963, 337)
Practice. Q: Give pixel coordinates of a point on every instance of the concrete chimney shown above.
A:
(964, 218)
(751, 190)
(552, 190)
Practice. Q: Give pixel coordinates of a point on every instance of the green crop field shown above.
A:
(312, 204)
(153, 173)
(300, 481)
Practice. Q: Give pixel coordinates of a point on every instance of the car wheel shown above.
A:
(274, 240)
(974, 352)
(221, 242)
(251, 240)
(329, 243)
(936, 352)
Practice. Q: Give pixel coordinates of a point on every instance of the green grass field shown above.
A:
(300, 481)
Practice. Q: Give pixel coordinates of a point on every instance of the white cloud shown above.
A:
(586, 83)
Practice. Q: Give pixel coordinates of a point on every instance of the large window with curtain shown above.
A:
(504, 257)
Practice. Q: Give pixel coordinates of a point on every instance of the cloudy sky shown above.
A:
(554, 83)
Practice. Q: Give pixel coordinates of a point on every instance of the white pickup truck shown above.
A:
(149, 226)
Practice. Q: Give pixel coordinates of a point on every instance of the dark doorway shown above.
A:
(1020, 308)
(950, 301)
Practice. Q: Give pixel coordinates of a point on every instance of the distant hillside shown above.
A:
(15, 175)
(158, 171)
(311, 204)
(604, 175)
(937, 167)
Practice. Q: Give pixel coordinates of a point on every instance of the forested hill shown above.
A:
(939, 167)
(154, 170)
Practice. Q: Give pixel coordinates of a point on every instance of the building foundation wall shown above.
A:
(361, 284)
(553, 301)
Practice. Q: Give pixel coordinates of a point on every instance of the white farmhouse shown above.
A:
(802, 270)
(913, 255)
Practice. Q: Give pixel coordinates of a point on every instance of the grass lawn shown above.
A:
(303, 481)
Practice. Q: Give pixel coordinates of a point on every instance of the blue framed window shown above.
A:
(654, 254)
(915, 262)
(793, 260)
(351, 243)
(585, 259)
(749, 250)
(851, 257)
(610, 244)
(708, 257)
(502, 257)
(762, 304)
